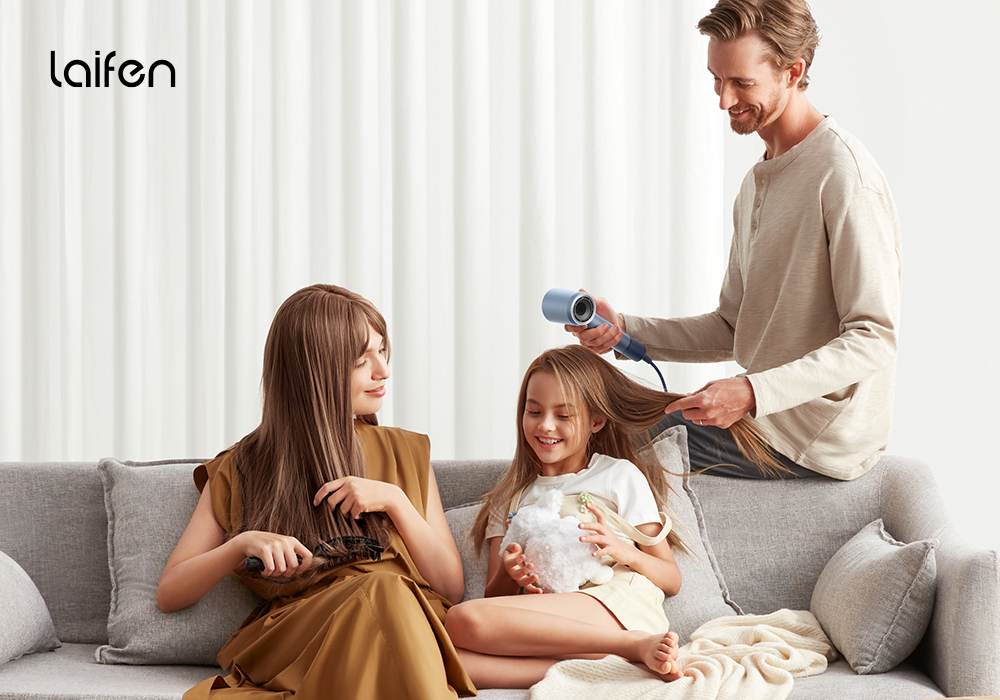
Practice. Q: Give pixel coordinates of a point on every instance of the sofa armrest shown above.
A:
(962, 645)
(961, 649)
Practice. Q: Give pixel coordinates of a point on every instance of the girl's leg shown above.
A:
(503, 671)
(549, 626)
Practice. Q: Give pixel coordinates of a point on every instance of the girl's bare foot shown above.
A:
(660, 655)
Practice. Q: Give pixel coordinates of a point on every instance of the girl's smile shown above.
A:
(557, 431)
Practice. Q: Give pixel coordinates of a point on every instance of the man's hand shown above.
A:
(720, 403)
(604, 337)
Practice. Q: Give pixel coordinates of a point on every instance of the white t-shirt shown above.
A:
(616, 483)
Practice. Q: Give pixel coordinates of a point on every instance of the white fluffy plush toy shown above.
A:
(552, 545)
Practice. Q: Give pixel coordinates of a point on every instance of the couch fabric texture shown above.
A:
(766, 546)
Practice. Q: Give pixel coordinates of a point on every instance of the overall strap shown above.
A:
(625, 527)
(639, 537)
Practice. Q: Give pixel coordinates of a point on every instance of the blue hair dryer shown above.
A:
(579, 309)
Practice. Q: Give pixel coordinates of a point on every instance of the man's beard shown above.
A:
(760, 117)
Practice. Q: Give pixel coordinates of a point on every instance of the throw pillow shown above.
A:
(27, 626)
(875, 597)
(149, 506)
(460, 521)
(703, 595)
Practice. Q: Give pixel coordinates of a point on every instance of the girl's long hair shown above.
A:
(306, 434)
(631, 409)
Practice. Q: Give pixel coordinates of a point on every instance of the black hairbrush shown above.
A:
(358, 547)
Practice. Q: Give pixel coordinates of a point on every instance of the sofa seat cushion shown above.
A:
(840, 681)
(72, 672)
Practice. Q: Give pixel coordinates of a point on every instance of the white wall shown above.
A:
(919, 84)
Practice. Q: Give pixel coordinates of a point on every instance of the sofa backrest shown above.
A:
(771, 539)
(464, 482)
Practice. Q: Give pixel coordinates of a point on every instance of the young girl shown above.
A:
(359, 565)
(581, 426)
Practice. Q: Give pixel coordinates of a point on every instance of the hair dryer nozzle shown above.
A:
(568, 307)
(579, 309)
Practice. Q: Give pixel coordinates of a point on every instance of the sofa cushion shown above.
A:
(149, 506)
(27, 625)
(460, 521)
(875, 597)
(69, 673)
(53, 524)
(703, 595)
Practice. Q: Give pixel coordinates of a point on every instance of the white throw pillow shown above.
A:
(27, 625)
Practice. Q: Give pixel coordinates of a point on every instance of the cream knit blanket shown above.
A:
(745, 657)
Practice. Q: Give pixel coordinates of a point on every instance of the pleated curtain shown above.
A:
(449, 160)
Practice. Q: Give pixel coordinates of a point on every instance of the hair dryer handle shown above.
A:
(627, 346)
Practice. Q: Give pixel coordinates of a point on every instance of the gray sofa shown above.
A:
(766, 544)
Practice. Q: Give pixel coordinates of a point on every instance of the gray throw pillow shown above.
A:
(149, 506)
(27, 625)
(875, 597)
(703, 595)
(460, 521)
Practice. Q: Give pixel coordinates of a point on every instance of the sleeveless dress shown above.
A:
(371, 629)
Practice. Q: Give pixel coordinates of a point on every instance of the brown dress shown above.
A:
(365, 630)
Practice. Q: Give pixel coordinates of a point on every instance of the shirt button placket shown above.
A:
(758, 200)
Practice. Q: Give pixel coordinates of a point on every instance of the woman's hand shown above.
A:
(607, 542)
(520, 572)
(283, 556)
(356, 496)
(427, 536)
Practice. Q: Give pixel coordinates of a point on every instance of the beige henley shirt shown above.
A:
(809, 305)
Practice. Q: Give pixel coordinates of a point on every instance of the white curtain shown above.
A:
(449, 159)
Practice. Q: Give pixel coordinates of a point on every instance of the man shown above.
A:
(810, 300)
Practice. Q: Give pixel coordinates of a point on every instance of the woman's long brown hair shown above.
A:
(631, 409)
(306, 434)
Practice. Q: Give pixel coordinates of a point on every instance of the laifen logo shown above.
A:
(132, 67)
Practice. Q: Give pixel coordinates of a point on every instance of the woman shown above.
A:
(358, 563)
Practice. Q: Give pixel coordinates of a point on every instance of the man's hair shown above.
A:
(786, 27)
